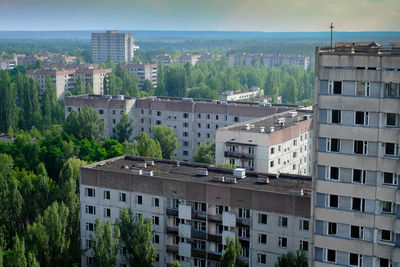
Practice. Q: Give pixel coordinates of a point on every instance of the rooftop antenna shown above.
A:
(331, 27)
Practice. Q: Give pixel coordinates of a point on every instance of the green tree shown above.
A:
(291, 260)
(123, 129)
(175, 81)
(28, 96)
(130, 148)
(6, 165)
(147, 86)
(16, 257)
(79, 88)
(105, 244)
(148, 147)
(137, 236)
(160, 90)
(31, 260)
(89, 89)
(176, 264)
(168, 141)
(231, 256)
(205, 153)
(8, 102)
(85, 124)
(50, 104)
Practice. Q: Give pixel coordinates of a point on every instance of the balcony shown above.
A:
(172, 249)
(199, 253)
(215, 218)
(243, 222)
(172, 212)
(199, 235)
(172, 230)
(197, 215)
(238, 155)
(213, 256)
(214, 238)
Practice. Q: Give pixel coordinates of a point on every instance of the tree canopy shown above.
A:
(205, 153)
(168, 141)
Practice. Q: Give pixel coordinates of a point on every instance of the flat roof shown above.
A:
(188, 171)
(290, 118)
(361, 48)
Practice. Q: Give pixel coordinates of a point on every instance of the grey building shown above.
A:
(195, 207)
(356, 196)
(111, 44)
(194, 121)
(143, 72)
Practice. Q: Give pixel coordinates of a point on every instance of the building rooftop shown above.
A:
(360, 48)
(278, 121)
(131, 167)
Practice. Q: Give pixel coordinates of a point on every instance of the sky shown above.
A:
(201, 15)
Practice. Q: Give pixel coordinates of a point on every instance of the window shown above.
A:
(158, 113)
(295, 142)
(391, 149)
(208, 116)
(139, 200)
(337, 88)
(385, 263)
(389, 178)
(386, 235)
(361, 118)
(113, 121)
(198, 134)
(272, 150)
(262, 218)
(185, 115)
(208, 126)
(185, 134)
(90, 192)
(359, 176)
(304, 245)
(333, 145)
(294, 155)
(90, 209)
(355, 259)
(185, 143)
(244, 232)
(156, 220)
(331, 255)
(107, 212)
(363, 88)
(262, 239)
(185, 124)
(244, 213)
(282, 242)
(251, 150)
(360, 147)
(89, 227)
(158, 122)
(244, 253)
(220, 209)
(336, 116)
(271, 163)
(89, 260)
(185, 152)
(142, 111)
(199, 226)
(199, 125)
(122, 197)
(332, 201)
(390, 119)
(391, 89)
(387, 207)
(156, 202)
(358, 204)
(333, 173)
(200, 207)
(69, 109)
(261, 258)
(106, 194)
(283, 222)
(236, 119)
(199, 116)
(304, 225)
(101, 112)
(357, 232)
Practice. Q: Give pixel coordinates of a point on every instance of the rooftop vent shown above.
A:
(306, 117)
(219, 178)
(271, 129)
(261, 129)
(202, 171)
(280, 121)
(239, 173)
(148, 172)
(187, 99)
(124, 167)
(136, 170)
(120, 97)
(246, 126)
(230, 179)
(141, 164)
(262, 180)
(150, 162)
(292, 114)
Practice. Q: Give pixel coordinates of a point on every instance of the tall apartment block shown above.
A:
(143, 72)
(65, 80)
(268, 60)
(194, 121)
(279, 143)
(356, 192)
(195, 207)
(112, 45)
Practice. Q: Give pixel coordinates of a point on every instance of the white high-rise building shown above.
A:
(112, 45)
(356, 192)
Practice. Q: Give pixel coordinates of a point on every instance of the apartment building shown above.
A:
(188, 58)
(356, 192)
(194, 121)
(165, 59)
(65, 80)
(144, 72)
(268, 60)
(208, 57)
(112, 45)
(7, 64)
(241, 94)
(195, 207)
(279, 143)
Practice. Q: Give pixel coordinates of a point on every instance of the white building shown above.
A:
(268, 60)
(111, 44)
(241, 94)
(144, 72)
(195, 207)
(356, 201)
(279, 143)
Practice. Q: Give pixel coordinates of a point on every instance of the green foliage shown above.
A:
(291, 260)
(85, 124)
(168, 141)
(205, 153)
(8, 102)
(79, 88)
(31, 259)
(175, 80)
(123, 129)
(105, 244)
(6, 165)
(16, 256)
(226, 166)
(203, 91)
(130, 148)
(147, 86)
(148, 147)
(176, 264)
(137, 236)
(120, 81)
(89, 89)
(231, 256)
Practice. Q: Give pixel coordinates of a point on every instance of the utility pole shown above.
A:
(331, 36)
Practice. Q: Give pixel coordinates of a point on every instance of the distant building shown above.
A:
(241, 94)
(112, 45)
(194, 121)
(188, 58)
(268, 60)
(208, 57)
(144, 72)
(279, 143)
(7, 64)
(165, 59)
(65, 80)
(196, 207)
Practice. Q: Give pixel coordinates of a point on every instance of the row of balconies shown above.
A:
(238, 155)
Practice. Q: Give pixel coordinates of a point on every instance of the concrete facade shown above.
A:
(64, 80)
(279, 143)
(356, 196)
(192, 214)
(144, 72)
(241, 94)
(268, 60)
(194, 121)
(111, 44)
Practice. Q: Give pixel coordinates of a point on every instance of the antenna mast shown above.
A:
(331, 36)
